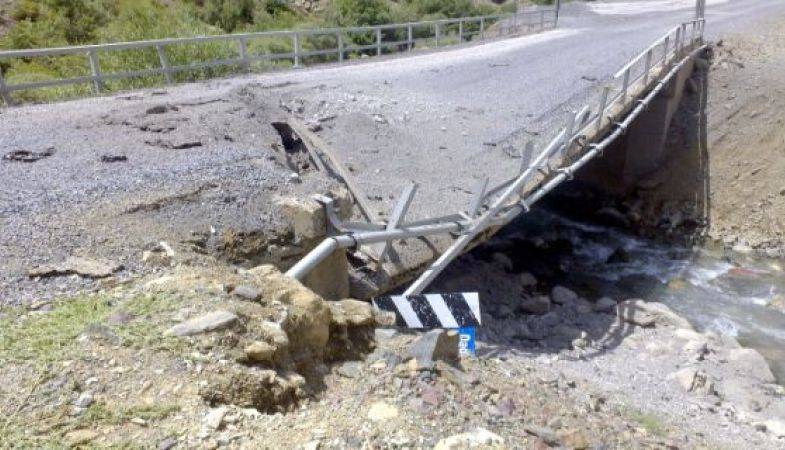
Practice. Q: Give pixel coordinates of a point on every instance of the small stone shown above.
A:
(527, 280)
(84, 400)
(561, 295)
(385, 333)
(540, 304)
(434, 345)
(479, 438)
(214, 418)
(311, 445)
(574, 439)
(503, 261)
(80, 437)
(545, 433)
(259, 351)
(605, 305)
(119, 318)
(350, 369)
(213, 321)
(357, 313)
(247, 292)
(693, 380)
(160, 255)
(775, 427)
(167, 443)
(139, 421)
(380, 411)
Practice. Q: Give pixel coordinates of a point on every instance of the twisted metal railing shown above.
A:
(339, 42)
(586, 134)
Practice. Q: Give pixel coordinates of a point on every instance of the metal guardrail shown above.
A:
(571, 148)
(386, 39)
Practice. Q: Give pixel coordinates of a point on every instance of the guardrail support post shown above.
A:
(409, 36)
(296, 45)
(625, 85)
(603, 103)
(482, 27)
(460, 31)
(5, 94)
(647, 67)
(164, 61)
(436, 32)
(339, 38)
(95, 71)
(243, 54)
(676, 43)
(665, 46)
(542, 20)
(378, 41)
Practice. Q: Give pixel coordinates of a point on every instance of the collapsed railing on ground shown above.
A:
(498, 205)
(299, 47)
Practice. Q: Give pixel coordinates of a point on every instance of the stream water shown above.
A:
(727, 294)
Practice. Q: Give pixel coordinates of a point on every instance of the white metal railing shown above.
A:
(386, 39)
(644, 76)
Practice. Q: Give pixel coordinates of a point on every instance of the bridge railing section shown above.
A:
(587, 132)
(153, 62)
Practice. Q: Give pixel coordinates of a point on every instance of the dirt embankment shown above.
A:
(747, 140)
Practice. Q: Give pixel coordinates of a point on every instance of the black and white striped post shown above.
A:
(459, 311)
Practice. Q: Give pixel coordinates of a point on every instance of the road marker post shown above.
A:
(455, 311)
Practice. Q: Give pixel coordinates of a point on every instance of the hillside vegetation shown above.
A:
(54, 23)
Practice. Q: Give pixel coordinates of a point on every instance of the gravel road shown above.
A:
(203, 158)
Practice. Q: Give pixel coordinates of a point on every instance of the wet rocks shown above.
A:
(539, 304)
(527, 280)
(605, 305)
(561, 295)
(648, 314)
(479, 438)
(435, 345)
(86, 267)
(212, 321)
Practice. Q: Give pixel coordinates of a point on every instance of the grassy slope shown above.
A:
(49, 23)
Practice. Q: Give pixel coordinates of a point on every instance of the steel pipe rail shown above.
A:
(459, 29)
(501, 211)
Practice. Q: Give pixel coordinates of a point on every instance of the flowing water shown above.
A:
(721, 293)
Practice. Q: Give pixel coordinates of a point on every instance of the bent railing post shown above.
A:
(5, 94)
(243, 51)
(164, 61)
(95, 71)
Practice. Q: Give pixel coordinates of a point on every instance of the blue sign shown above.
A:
(466, 342)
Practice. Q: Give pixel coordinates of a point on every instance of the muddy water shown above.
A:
(721, 293)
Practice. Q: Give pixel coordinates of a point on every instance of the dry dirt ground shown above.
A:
(747, 139)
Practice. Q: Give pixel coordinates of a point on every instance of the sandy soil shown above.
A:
(747, 139)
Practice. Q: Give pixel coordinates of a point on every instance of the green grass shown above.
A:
(54, 23)
(45, 338)
(651, 423)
